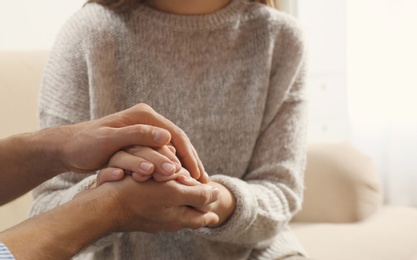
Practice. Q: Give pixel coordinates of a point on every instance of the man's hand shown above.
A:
(132, 160)
(111, 174)
(89, 145)
(153, 206)
(123, 206)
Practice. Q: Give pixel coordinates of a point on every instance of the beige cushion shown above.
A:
(341, 185)
(389, 234)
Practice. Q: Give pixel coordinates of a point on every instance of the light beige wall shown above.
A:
(20, 75)
(28, 24)
(289, 6)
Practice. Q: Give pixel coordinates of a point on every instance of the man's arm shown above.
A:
(30, 159)
(64, 231)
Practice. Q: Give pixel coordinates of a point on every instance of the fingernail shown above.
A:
(215, 192)
(117, 173)
(145, 166)
(187, 178)
(168, 168)
(159, 136)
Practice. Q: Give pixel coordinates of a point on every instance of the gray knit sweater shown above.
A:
(232, 80)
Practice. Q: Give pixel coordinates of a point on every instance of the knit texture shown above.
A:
(233, 80)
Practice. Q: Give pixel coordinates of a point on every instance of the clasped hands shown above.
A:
(145, 186)
(156, 192)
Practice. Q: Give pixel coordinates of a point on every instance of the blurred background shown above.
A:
(363, 83)
(362, 77)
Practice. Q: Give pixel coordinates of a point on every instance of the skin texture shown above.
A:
(69, 228)
(222, 208)
(30, 159)
(174, 207)
(129, 138)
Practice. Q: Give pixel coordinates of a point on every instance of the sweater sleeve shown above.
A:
(271, 191)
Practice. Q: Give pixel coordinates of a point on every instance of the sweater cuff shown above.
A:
(79, 187)
(243, 216)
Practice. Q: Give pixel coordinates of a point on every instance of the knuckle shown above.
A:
(205, 197)
(142, 133)
(144, 106)
(105, 135)
(144, 130)
(106, 131)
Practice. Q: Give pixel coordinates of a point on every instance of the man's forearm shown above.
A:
(30, 159)
(27, 160)
(66, 230)
(60, 233)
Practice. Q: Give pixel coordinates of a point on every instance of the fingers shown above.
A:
(200, 195)
(186, 180)
(162, 163)
(204, 178)
(186, 153)
(144, 114)
(141, 177)
(141, 135)
(158, 206)
(194, 219)
(182, 173)
(108, 175)
(129, 162)
(185, 150)
(169, 152)
(171, 148)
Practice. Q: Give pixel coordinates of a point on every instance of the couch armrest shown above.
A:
(342, 185)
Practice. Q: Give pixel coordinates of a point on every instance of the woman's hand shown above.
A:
(167, 166)
(160, 161)
(224, 207)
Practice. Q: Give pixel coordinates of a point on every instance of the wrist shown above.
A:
(48, 144)
(61, 232)
(104, 200)
(99, 201)
(27, 160)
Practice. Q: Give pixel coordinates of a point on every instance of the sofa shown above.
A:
(343, 215)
